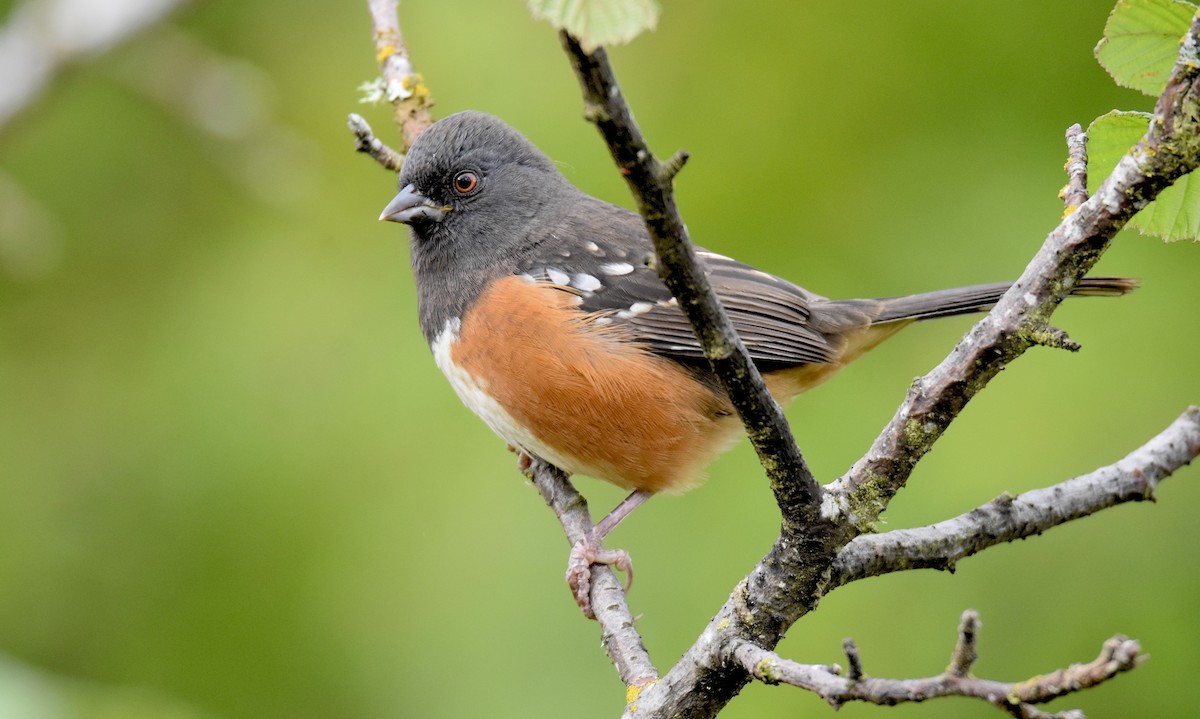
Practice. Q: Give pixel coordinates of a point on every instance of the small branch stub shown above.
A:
(669, 169)
(1075, 192)
(855, 672)
(366, 142)
(964, 655)
(1047, 335)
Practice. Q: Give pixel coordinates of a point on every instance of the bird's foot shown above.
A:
(579, 571)
(524, 461)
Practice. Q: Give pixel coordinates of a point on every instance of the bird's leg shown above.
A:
(605, 526)
(588, 551)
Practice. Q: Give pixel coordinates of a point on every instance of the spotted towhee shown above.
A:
(544, 313)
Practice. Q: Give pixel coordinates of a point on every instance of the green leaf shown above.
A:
(1141, 42)
(1109, 137)
(1175, 214)
(598, 22)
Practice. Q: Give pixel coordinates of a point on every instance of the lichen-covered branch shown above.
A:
(402, 85)
(1007, 518)
(1118, 654)
(650, 181)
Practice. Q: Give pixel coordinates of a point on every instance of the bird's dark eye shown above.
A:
(466, 182)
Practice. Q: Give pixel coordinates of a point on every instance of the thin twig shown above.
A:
(1005, 519)
(620, 637)
(366, 142)
(1118, 654)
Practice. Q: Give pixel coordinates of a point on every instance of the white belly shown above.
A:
(473, 394)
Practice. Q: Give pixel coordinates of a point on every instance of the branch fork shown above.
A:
(1119, 654)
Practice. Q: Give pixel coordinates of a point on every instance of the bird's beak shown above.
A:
(410, 205)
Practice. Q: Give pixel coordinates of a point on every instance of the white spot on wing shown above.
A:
(594, 249)
(616, 269)
(586, 282)
(558, 277)
(637, 308)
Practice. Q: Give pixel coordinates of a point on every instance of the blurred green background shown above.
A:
(233, 484)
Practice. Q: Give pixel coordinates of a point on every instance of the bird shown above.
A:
(542, 306)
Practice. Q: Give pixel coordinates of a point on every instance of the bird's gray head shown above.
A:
(473, 190)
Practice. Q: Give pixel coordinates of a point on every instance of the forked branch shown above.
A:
(1118, 654)
(939, 546)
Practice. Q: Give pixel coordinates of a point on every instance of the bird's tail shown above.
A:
(980, 298)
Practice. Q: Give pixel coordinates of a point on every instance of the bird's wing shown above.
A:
(616, 286)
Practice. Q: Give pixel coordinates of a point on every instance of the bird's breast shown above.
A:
(550, 381)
